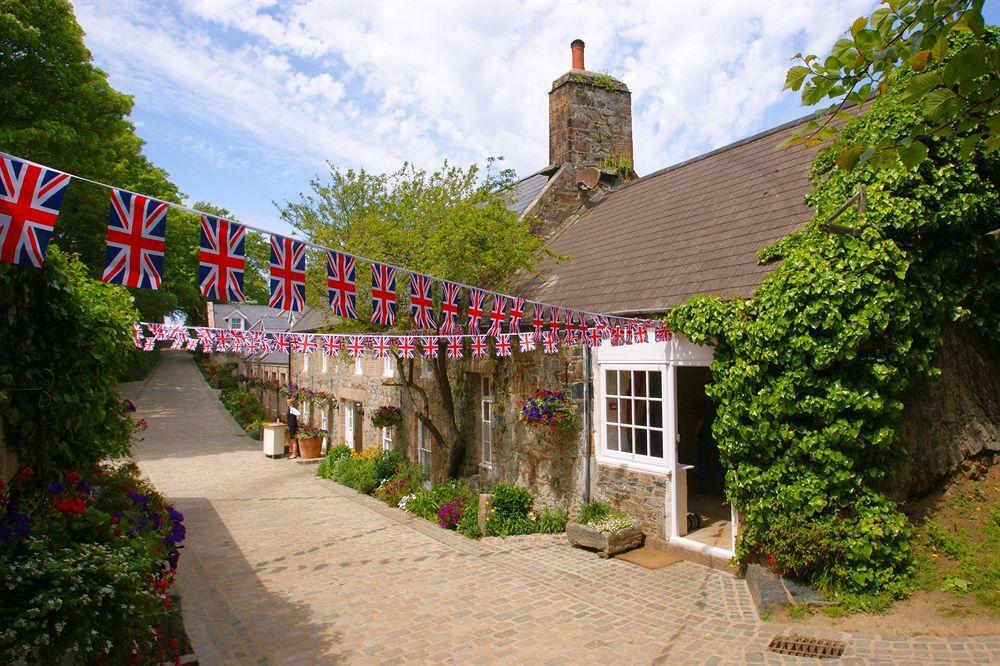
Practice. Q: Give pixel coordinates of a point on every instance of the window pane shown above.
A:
(656, 443)
(639, 383)
(640, 441)
(655, 414)
(625, 411)
(612, 438)
(611, 410)
(625, 442)
(625, 383)
(656, 384)
(611, 378)
(639, 406)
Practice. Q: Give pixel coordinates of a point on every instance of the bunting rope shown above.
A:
(31, 195)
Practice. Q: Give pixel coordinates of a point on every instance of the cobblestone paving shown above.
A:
(284, 568)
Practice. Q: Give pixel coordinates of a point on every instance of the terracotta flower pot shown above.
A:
(310, 447)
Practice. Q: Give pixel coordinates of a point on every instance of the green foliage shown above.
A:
(810, 373)
(66, 338)
(552, 521)
(357, 472)
(510, 501)
(255, 429)
(406, 480)
(956, 88)
(426, 502)
(593, 511)
(333, 457)
(244, 407)
(141, 363)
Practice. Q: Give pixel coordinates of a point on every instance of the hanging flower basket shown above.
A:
(386, 417)
(549, 413)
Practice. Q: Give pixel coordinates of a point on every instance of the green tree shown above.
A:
(452, 223)
(961, 97)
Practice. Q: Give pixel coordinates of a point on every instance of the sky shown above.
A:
(244, 103)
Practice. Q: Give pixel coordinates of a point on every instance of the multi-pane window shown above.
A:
(305, 362)
(238, 323)
(324, 365)
(388, 366)
(633, 414)
(358, 365)
(387, 438)
(424, 447)
(486, 420)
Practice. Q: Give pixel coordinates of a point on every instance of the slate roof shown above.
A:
(313, 320)
(693, 228)
(527, 189)
(273, 319)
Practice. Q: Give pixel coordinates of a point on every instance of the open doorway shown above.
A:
(708, 513)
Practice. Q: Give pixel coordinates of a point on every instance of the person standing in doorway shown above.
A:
(292, 418)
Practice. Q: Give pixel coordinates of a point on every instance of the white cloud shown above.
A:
(373, 85)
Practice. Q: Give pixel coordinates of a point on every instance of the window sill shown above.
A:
(486, 465)
(646, 468)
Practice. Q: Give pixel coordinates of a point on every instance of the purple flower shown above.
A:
(176, 534)
(83, 487)
(175, 515)
(172, 558)
(14, 524)
(137, 499)
(55, 488)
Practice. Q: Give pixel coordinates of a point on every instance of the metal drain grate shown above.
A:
(800, 646)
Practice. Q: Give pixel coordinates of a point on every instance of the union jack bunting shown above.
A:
(421, 301)
(405, 346)
(383, 294)
(30, 197)
(380, 347)
(205, 338)
(661, 333)
(593, 337)
(454, 347)
(356, 346)
(497, 315)
(221, 259)
(137, 334)
(537, 318)
(526, 342)
(476, 298)
(288, 274)
(550, 342)
(282, 341)
(192, 344)
(449, 307)
(479, 346)
(501, 345)
(222, 339)
(573, 330)
(305, 344)
(429, 347)
(136, 229)
(340, 284)
(332, 344)
(555, 321)
(149, 344)
(180, 340)
(516, 314)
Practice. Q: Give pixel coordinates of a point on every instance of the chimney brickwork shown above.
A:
(590, 119)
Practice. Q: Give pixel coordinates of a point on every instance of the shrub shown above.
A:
(333, 457)
(357, 472)
(593, 511)
(255, 429)
(449, 515)
(469, 522)
(552, 521)
(405, 481)
(426, 502)
(510, 501)
(387, 464)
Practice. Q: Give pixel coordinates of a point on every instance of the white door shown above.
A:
(349, 423)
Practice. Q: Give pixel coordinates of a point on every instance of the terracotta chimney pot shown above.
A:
(576, 47)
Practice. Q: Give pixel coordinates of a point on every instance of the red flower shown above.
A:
(73, 478)
(73, 505)
(24, 478)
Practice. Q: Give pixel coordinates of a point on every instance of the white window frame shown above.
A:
(305, 362)
(324, 365)
(486, 421)
(424, 440)
(388, 365)
(635, 460)
(359, 366)
(241, 327)
(386, 438)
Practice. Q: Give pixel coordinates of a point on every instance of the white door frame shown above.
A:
(349, 414)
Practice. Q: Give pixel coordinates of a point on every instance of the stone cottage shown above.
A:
(635, 247)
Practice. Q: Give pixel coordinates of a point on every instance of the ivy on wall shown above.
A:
(65, 339)
(810, 372)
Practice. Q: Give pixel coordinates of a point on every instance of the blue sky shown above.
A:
(244, 102)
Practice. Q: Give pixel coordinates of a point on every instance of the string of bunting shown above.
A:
(147, 335)
(31, 195)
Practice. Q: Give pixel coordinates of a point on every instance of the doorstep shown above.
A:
(695, 552)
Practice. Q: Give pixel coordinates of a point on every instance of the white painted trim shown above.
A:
(647, 464)
(654, 470)
(697, 546)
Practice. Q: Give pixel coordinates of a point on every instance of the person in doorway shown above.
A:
(292, 418)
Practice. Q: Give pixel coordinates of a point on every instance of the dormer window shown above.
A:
(238, 323)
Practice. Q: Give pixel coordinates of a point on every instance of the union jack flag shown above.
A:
(429, 347)
(476, 298)
(640, 333)
(555, 320)
(538, 318)
(356, 346)
(205, 338)
(383, 294)
(380, 347)
(288, 274)
(449, 307)
(282, 341)
(222, 339)
(526, 342)
(30, 197)
(332, 344)
(501, 345)
(341, 287)
(221, 258)
(405, 346)
(137, 334)
(573, 330)
(497, 315)
(594, 336)
(421, 301)
(516, 314)
(454, 347)
(479, 346)
(305, 344)
(550, 342)
(136, 229)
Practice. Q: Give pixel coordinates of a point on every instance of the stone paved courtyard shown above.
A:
(281, 567)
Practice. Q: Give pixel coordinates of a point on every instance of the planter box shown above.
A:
(311, 447)
(605, 543)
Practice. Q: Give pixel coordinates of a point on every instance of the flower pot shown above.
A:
(310, 447)
(605, 543)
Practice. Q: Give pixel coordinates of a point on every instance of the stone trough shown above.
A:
(605, 543)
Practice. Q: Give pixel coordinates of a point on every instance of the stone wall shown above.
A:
(590, 121)
(639, 494)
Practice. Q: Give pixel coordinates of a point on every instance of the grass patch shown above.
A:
(798, 612)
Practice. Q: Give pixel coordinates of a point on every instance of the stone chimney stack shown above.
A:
(590, 119)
